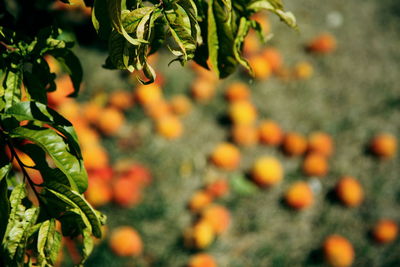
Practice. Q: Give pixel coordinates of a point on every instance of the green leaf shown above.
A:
(4, 207)
(276, 7)
(75, 202)
(11, 84)
(59, 151)
(71, 65)
(244, 27)
(88, 245)
(242, 186)
(49, 243)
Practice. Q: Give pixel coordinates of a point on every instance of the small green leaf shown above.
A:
(243, 186)
(49, 243)
(276, 7)
(11, 84)
(88, 245)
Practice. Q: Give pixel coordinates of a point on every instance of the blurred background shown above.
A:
(295, 167)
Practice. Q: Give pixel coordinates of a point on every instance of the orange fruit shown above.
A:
(267, 171)
(226, 156)
(273, 57)
(199, 201)
(158, 109)
(252, 44)
(322, 44)
(385, 231)
(126, 192)
(146, 94)
(294, 144)
(98, 193)
(94, 156)
(92, 111)
(110, 121)
(202, 260)
(270, 133)
(202, 89)
(384, 145)
(64, 88)
(320, 143)
(245, 135)
(350, 191)
(218, 188)
(303, 70)
(169, 127)
(242, 112)
(315, 164)
(181, 105)
(200, 236)
(299, 195)
(126, 241)
(218, 217)
(121, 99)
(338, 251)
(237, 91)
(261, 68)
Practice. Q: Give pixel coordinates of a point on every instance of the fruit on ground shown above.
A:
(385, 231)
(338, 251)
(126, 192)
(323, 44)
(203, 90)
(303, 70)
(180, 105)
(218, 188)
(146, 94)
(299, 196)
(170, 127)
(267, 171)
(294, 144)
(244, 135)
(237, 91)
(202, 260)
(200, 236)
(126, 241)
(199, 201)
(273, 57)
(315, 164)
(260, 66)
(99, 192)
(121, 99)
(242, 112)
(384, 145)
(218, 217)
(226, 156)
(349, 191)
(270, 133)
(321, 143)
(110, 121)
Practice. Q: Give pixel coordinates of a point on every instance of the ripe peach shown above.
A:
(158, 109)
(181, 105)
(202, 260)
(126, 241)
(121, 99)
(245, 135)
(294, 144)
(53, 64)
(338, 251)
(237, 91)
(270, 133)
(226, 156)
(299, 195)
(64, 88)
(261, 68)
(252, 44)
(267, 171)
(92, 111)
(203, 90)
(87, 136)
(315, 164)
(169, 127)
(98, 193)
(385, 231)
(218, 188)
(322, 44)
(273, 57)
(200, 236)
(110, 121)
(303, 70)
(126, 192)
(94, 157)
(242, 112)
(69, 108)
(146, 94)
(349, 191)
(139, 174)
(199, 201)
(384, 145)
(218, 217)
(320, 143)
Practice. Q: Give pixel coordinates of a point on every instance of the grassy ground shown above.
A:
(353, 94)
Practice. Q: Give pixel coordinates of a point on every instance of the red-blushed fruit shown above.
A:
(146, 94)
(139, 174)
(260, 66)
(121, 99)
(321, 143)
(110, 121)
(294, 144)
(242, 112)
(338, 251)
(99, 192)
(299, 196)
(315, 164)
(126, 193)
(273, 57)
(270, 133)
(105, 173)
(226, 156)
(169, 127)
(385, 231)
(218, 188)
(200, 236)
(180, 105)
(244, 135)
(218, 217)
(303, 70)
(94, 156)
(323, 44)
(349, 191)
(125, 241)
(199, 201)
(384, 145)
(237, 91)
(267, 171)
(202, 260)
(203, 90)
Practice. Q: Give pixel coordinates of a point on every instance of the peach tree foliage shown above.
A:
(191, 29)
